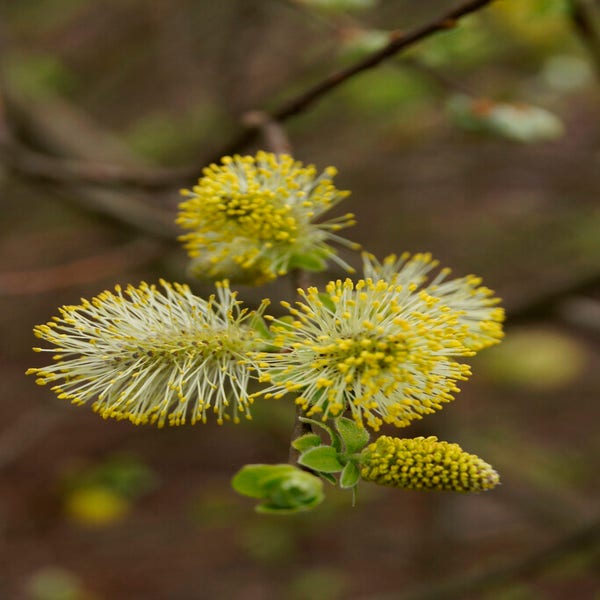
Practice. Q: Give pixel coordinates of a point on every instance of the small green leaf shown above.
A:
(250, 480)
(258, 324)
(307, 441)
(309, 262)
(354, 436)
(267, 508)
(322, 459)
(292, 490)
(333, 436)
(328, 477)
(327, 301)
(350, 475)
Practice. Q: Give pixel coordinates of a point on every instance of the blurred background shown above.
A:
(480, 145)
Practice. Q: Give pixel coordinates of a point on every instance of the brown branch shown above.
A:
(584, 15)
(45, 167)
(547, 302)
(83, 270)
(587, 537)
(398, 42)
(273, 132)
(59, 170)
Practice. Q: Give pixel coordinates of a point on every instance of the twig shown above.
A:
(584, 16)
(83, 270)
(398, 42)
(545, 303)
(58, 171)
(45, 167)
(274, 134)
(470, 587)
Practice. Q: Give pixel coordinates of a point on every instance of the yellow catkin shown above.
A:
(424, 463)
(153, 357)
(252, 218)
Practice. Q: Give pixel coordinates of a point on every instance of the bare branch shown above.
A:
(274, 134)
(586, 537)
(63, 171)
(584, 16)
(398, 42)
(83, 270)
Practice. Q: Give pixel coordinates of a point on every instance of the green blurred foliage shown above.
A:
(169, 138)
(270, 542)
(56, 583)
(39, 74)
(319, 583)
(104, 493)
(535, 359)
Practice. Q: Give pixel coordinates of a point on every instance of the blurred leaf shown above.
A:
(517, 122)
(123, 475)
(55, 583)
(338, 6)
(536, 359)
(250, 479)
(357, 43)
(566, 73)
(284, 488)
(95, 506)
(37, 75)
(543, 23)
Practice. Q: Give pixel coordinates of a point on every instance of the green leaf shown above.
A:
(517, 122)
(309, 262)
(327, 301)
(306, 441)
(251, 480)
(292, 490)
(354, 436)
(322, 459)
(350, 475)
(268, 508)
(333, 436)
(258, 324)
(328, 477)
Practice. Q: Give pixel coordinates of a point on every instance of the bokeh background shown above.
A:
(480, 145)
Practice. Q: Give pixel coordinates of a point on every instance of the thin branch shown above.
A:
(545, 303)
(83, 270)
(69, 171)
(587, 537)
(45, 167)
(584, 16)
(273, 132)
(398, 42)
